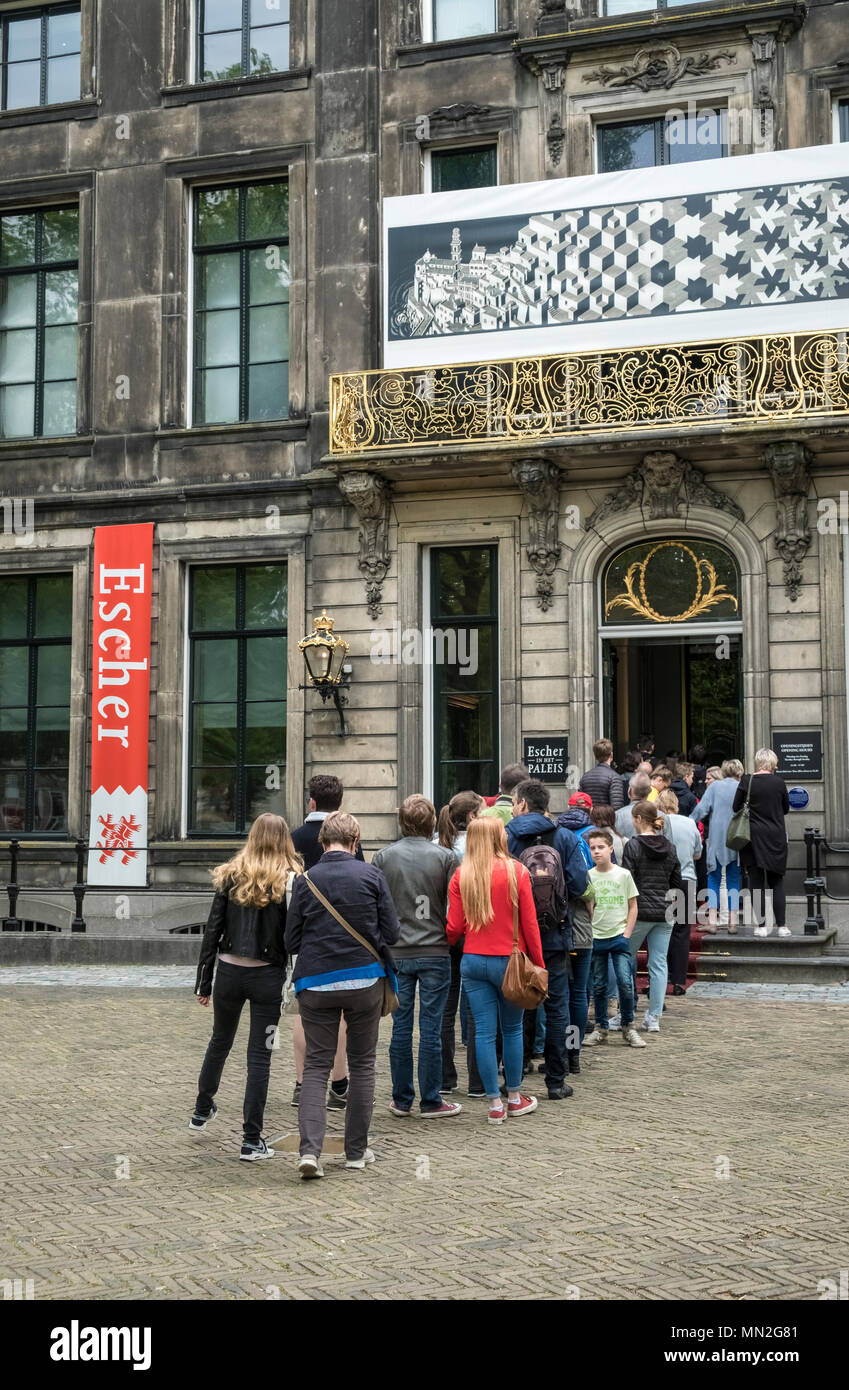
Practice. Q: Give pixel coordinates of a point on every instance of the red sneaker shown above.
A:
(523, 1106)
(446, 1108)
(497, 1115)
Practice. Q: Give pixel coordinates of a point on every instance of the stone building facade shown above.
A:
(372, 100)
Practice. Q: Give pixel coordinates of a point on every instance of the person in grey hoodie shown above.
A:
(418, 873)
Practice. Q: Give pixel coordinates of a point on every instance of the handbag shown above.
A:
(739, 833)
(390, 993)
(524, 983)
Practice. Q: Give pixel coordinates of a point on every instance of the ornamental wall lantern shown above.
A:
(325, 657)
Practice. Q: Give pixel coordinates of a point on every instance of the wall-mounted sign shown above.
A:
(120, 715)
(671, 254)
(799, 753)
(798, 798)
(547, 759)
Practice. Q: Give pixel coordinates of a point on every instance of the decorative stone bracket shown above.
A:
(661, 486)
(789, 466)
(539, 480)
(369, 494)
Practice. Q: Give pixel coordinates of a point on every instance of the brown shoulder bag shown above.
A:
(524, 983)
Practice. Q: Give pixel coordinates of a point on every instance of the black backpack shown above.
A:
(547, 882)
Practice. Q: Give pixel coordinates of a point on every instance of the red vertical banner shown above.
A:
(120, 706)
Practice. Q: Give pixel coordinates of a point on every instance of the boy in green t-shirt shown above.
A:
(614, 912)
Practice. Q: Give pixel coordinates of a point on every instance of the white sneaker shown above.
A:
(784, 931)
(598, 1035)
(762, 931)
(368, 1157)
(651, 1023)
(615, 1023)
(309, 1167)
(631, 1037)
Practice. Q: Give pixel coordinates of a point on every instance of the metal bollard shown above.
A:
(78, 923)
(11, 922)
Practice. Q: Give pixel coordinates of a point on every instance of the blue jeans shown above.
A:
(656, 936)
(433, 976)
(732, 883)
(482, 977)
(579, 991)
(615, 950)
(539, 1035)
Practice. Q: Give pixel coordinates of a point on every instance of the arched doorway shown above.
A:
(671, 647)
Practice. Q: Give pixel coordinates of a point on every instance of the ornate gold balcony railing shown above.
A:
(751, 381)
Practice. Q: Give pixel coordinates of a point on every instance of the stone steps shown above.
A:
(772, 959)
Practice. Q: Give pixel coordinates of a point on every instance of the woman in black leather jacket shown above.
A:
(245, 931)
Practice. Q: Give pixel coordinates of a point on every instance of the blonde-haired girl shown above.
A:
(245, 931)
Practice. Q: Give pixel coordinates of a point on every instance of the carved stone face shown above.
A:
(365, 492)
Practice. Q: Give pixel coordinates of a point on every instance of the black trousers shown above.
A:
(262, 987)
(761, 882)
(678, 953)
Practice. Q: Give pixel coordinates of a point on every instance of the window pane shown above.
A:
(53, 600)
(463, 582)
(843, 120)
(13, 737)
(266, 668)
(12, 809)
(467, 657)
(50, 811)
(268, 211)
(219, 281)
(24, 39)
(218, 396)
(265, 733)
(626, 147)
(60, 408)
(222, 57)
(269, 275)
(61, 234)
(17, 239)
(219, 345)
(13, 607)
(60, 296)
(261, 798)
(17, 411)
(218, 216)
(17, 301)
(703, 136)
(221, 14)
(630, 6)
(265, 596)
(215, 670)
(14, 675)
(60, 354)
(52, 737)
(269, 49)
(23, 85)
(214, 599)
(269, 11)
(53, 684)
(214, 799)
(63, 79)
(63, 34)
(214, 734)
(467, 726)
(457, 19)
(470, 168)
(671, 581)
(269, 333)
(269, 392)
(17, 355)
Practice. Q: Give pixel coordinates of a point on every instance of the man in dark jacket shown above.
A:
(601, 783)
(418, 873)
(325, 796)
(531, 826)
(336, 975)
(682, 787)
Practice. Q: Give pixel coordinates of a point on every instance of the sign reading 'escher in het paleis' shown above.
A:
(547, 759)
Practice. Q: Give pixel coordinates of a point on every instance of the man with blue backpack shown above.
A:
(555, 862)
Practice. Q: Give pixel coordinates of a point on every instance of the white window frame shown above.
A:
(429, 22)
(454, 147)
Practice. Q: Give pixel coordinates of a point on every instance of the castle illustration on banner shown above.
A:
(778, 244)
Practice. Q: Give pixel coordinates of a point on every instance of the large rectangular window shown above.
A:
(242, 38)
(678, 139)
(237, 733)
(242, 280)
(461, 19)
(41, 56)
(35, 700)
(464, 619)
(470, 166)
(39, 254)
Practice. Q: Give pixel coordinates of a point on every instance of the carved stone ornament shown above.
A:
(556, 138)
(660, 66)
(662, 486)
(764, 53)
(369, 495)
(539, 480)
(789, 466)
(460, 111)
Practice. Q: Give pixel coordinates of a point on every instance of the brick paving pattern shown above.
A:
(613, 1194)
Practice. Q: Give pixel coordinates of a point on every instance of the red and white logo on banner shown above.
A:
(123, 565)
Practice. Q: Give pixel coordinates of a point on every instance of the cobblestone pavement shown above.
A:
(617, 1193)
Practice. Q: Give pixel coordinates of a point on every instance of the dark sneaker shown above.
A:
(336, 1102)
(560, 1092)
(476, 1095)
(199, 1122)
(296, 1095)
(448, 1090)
(251, 1153)
(446, 1108)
